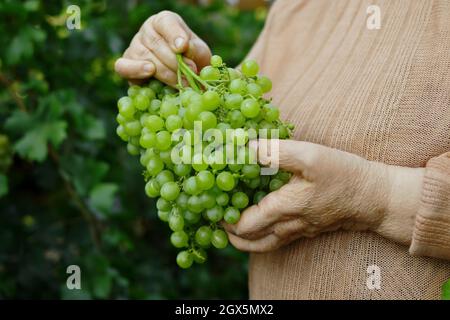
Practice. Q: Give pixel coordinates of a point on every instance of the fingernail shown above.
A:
(147, 68)
(179, 43)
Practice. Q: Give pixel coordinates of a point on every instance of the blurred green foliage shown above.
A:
(69, 192)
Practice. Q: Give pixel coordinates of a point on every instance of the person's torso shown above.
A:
(383, 94)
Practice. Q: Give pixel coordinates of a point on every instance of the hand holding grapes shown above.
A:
(152, 50)
(330, 190)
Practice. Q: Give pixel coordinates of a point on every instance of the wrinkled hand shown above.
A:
(152, 50)
(330, 190)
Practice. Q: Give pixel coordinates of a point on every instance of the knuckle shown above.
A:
(162, 16)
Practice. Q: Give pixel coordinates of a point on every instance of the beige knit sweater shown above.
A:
(381, 94)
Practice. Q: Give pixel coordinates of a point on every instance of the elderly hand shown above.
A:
(152, 50)
(330, 190)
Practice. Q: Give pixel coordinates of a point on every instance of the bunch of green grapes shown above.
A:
(202, 177)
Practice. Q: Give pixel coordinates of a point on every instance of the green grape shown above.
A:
(163, 140)
(176, 222)
(148, 92)
(164, 177)
(251, 171)
(253, 183)
(210, 73)
(233, 73)
(211, 100)
(170, 190)
(199, 255)
(216, 61)
(258, 196)
(222, 199)
(186, 96)
(208, 200)
(195, 204)
(179, 239)
(121, 119)
(147, 140)
(250, 68)
(264, 83)
(163, 215)
(132, 149)
(283, 132)
(283, 176)
(275, 184)
(152, 188)
(168, 108)
(121, 133)
(154, 123)
(238, 86)
(233, 101)
(167, 91)
(250, 108)
(214, 214)
(165, 156)
(155, 166)
(239, 200)
(236, 119)
(265, 180)
(203, 236)
(235, 167)
(193, 111)
(182, 169)
(173, 122)
(163, 204)
(223, 127)
(182, 200)
(191, 217)
(225, 181)
(133, 91)
(271, 113)
(184, 259)
(232, 215)
(126, 108)
(198, 162)
(155, 85)
(133, 128)
(208, 120)
(141, 102)
(134, 141)
(219, 239)
(191, 186)
(145, 157)
(205, 180)
(155, 105)
(254, 90)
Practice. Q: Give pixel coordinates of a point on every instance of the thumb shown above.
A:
(256, 221)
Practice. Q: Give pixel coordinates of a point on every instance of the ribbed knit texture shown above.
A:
(383, 95)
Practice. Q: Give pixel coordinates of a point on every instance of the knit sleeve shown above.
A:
(431, 236)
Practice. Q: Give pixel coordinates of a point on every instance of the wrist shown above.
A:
(403, 199)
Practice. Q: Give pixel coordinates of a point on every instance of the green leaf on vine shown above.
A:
(102, 197)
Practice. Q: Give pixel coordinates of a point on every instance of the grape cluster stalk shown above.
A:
(193, 142)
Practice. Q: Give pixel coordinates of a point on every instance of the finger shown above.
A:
(286, 154)
(163, 73)
(280, 205)
(268, 243)
(170, 26)
(198, 52)
(191, 64)
(134, 69)
(155, 43)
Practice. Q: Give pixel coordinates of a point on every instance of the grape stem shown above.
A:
(190, 75)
